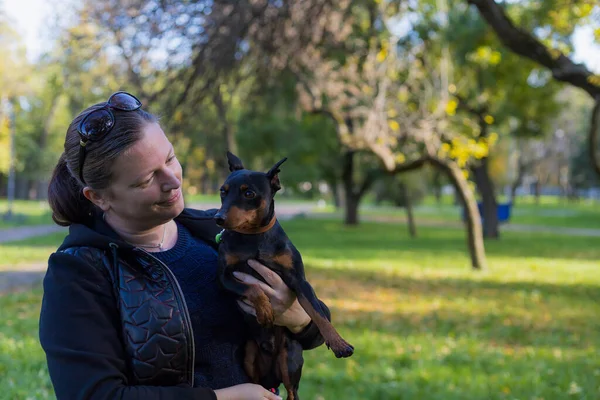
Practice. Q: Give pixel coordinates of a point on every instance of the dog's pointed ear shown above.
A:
(273, 175)
(235, 164)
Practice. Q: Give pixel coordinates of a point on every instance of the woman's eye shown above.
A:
(249, 194)
(170, 159)
(146, 183)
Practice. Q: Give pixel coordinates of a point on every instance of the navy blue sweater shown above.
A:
(219, 330)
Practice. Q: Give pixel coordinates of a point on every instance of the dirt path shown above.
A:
(25, 232)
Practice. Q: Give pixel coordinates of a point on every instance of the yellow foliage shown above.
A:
(367, 89)
(4, 144)
(210, 165)
(555, 53)
(465, 173)
(392, 113)
(452, 88)
(492, 138)
(403, 94)
(400, 158)
(178, 116)
(488, 119)
(394, 125)
(594, 80)
(583, 10)
(495, 58)
(381, 55)
(446, 147)
(485, 55)
(451, 107)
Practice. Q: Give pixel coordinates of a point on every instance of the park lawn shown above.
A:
(25, 212)
(424, 325)
(30, 251)
(584, 214)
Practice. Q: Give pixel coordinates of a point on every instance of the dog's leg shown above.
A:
(250, 361)
(289, 365)
(308, 300)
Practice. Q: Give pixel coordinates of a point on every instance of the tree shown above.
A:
(493, 96)
(357, 74)
(550, 51)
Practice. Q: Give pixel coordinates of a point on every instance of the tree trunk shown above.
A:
(351, 212)
(412, 227)
(437, 187)
(350, 200)
(474, 231)
(485, 186)
(228, 133)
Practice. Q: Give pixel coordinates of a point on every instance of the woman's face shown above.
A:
(146, 185)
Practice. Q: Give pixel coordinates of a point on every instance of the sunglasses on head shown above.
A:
(98, 123)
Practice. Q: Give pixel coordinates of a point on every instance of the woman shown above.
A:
(131, 307)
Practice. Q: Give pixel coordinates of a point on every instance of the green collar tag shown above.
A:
(219, 236)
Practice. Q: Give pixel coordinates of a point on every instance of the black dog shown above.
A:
(251, 231)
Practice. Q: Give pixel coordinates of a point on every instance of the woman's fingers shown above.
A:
(248, 308)
(250, 280)
(272, 278)
(271, 396)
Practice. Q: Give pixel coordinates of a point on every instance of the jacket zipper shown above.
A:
(186, 312)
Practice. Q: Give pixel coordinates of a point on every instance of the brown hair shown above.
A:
(65, 192)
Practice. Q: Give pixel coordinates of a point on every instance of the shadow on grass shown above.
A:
(511, 314)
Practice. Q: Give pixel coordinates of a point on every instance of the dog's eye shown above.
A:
(223, 192)
(249, 194)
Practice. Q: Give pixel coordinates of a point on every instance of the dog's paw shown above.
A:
(265, 316)
(341, 348)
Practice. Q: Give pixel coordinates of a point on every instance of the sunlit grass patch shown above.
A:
(424, 325)
(29, 251)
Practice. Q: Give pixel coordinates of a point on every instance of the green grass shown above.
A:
(25, 212)
(30, 251)
(424, 325)
(552, 214)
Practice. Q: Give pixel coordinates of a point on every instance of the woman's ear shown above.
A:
(101, 200)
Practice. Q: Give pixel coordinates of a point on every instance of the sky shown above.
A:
(30, 21)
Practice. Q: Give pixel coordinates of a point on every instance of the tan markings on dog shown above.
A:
(284, 259)
(331, 336)
(253, 218)
(250, 361)
(262, 211)
(231, 259)
(243, 188)
(262, 305)
(226, 187)
(237, 217)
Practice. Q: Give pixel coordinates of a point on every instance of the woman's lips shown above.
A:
(172, 199)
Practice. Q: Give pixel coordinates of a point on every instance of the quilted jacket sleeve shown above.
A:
(79, 331)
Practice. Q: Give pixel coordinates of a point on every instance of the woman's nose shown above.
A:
(171, 181)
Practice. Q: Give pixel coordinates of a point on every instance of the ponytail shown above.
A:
(69, 205)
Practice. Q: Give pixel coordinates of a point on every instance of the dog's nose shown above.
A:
(219, 219)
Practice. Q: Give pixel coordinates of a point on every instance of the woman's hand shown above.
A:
(286, 309)
(246, 391)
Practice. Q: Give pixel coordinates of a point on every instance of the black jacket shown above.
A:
(114, 323)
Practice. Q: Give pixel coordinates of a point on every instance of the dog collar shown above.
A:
(219, 236)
